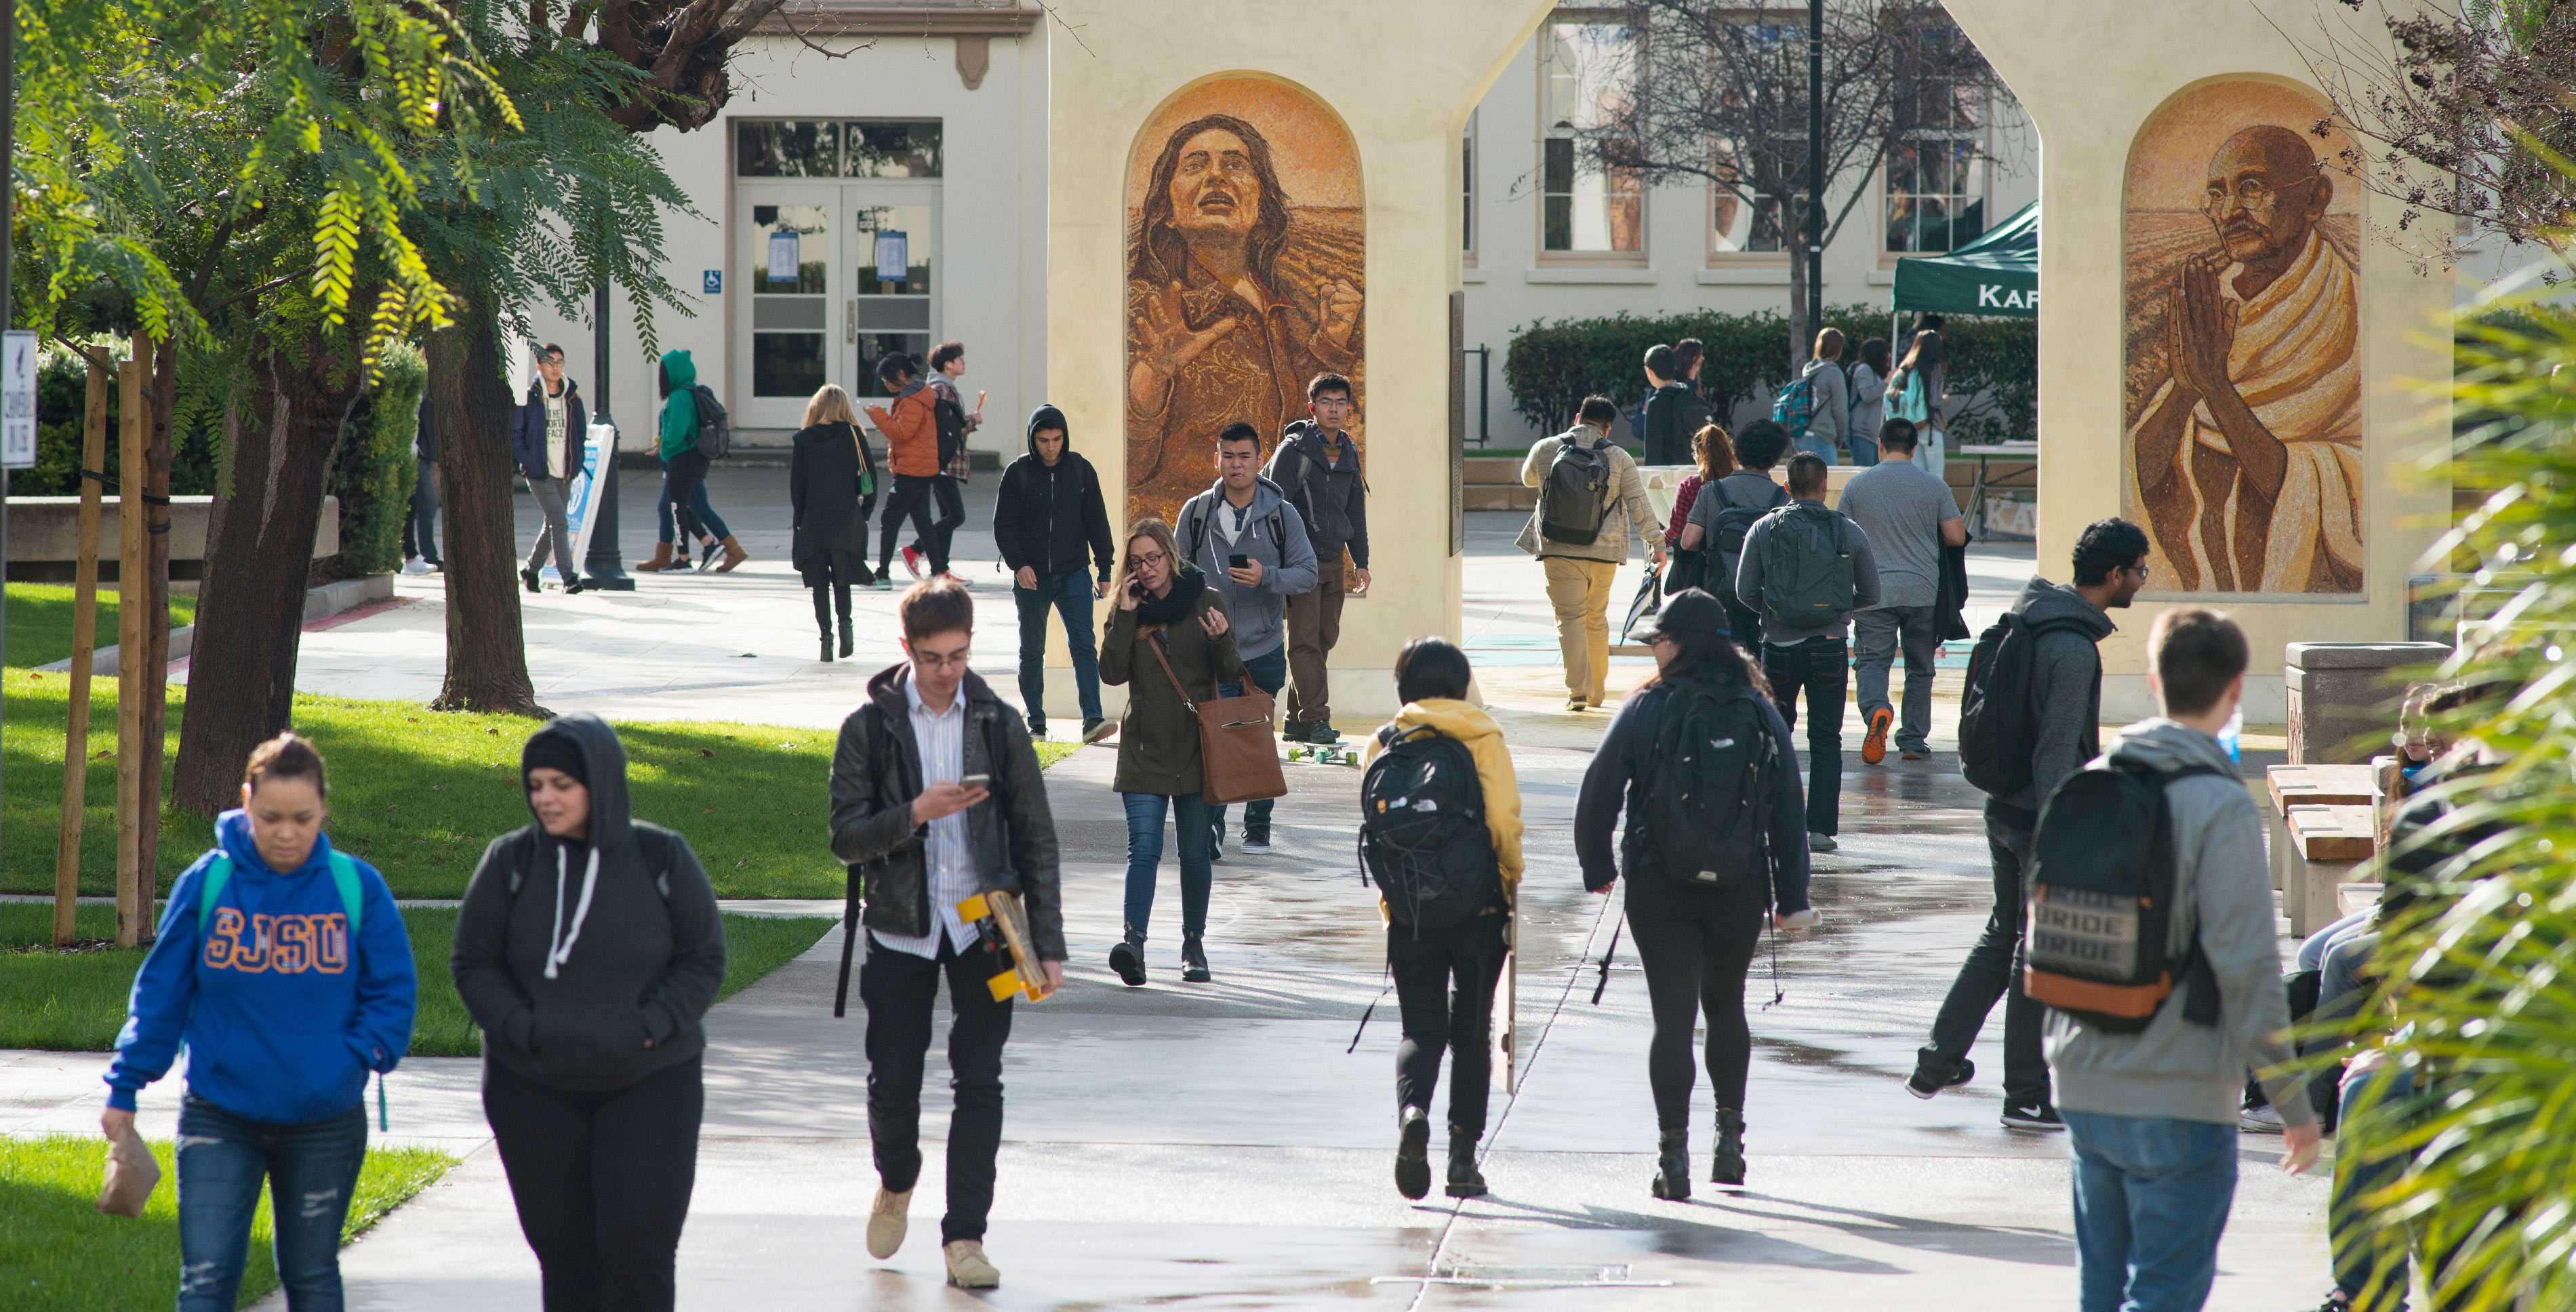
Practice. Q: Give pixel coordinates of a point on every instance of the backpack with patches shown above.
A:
(2098, 942)
(1810, 577)
(1574, 499)
(1422, 830)
(715, 427)
(1714, 777)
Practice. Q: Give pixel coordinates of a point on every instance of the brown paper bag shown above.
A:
(131, 1176)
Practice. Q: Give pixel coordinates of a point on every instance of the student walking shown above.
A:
(684, 466)
(549, 438)
(420, 522)
(1445, 951)
(1868, 402)
(1714, 455)
(705, 524)
(1909, 516)
(1047, 513)
(1806, 569)
(1244, 537)
(1711, 852)
(1816, 406)
(1917, 392)
(2050, 690)
(955, 422)
(2151, 1111)
(911, 427)
(936, 798)
(282, 966)
(1590, 498)
(1719, 522)
(1673, 409)
(1169, 632)
(588, 950)
(827, 468)
(1317, 466)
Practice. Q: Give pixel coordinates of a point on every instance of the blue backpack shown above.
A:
(1795, 407)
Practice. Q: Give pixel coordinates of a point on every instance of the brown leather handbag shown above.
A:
(1238, 752)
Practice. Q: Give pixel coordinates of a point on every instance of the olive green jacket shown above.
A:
(1158, 739)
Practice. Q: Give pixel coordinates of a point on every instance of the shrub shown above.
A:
(62, 397)
(372, 471)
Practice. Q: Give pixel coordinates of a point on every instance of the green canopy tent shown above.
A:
(1997, 274)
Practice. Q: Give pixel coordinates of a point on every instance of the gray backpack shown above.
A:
(1809, 578)
(1574, 498)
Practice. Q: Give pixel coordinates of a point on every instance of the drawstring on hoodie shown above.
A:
(558, 943)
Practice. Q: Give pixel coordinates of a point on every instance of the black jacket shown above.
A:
(1673, 413)
(528, 430)
(831, 528)
(631, 992)
(1044, 515)
(1623, 769)
(876, 772)
(1323, 481)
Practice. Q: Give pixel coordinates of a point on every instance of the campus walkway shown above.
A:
(1215, 1145)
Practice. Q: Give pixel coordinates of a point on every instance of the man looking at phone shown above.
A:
(1252, 544)
(916, 764)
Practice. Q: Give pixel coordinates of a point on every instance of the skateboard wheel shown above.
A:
(973, 908)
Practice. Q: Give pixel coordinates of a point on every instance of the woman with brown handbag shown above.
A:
(1169, 632)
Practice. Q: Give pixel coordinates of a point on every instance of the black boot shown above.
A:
(1128, 958)
(1727, 1165)
(1465, 1181)
(1194, 967)
(529, 577)
(823, 620)
(1413, 1154)
(849, 638)
(1672, 1166)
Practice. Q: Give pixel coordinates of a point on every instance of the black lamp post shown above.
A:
(603, 568)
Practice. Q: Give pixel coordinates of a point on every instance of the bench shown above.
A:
(2327, 844)
(2308, 785)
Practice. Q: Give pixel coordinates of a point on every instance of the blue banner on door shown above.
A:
(893, 259)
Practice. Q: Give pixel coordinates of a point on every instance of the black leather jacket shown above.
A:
(876, 772)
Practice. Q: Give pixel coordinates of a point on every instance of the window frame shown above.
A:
(1544, 256)
(1980, 163)
(1467, 162)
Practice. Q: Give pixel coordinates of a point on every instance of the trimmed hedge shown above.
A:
(372, 471)
(62, 394)
(1551, 367)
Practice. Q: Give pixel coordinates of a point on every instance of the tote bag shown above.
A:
(1238, 752)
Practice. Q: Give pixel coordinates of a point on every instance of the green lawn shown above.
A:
(40, 621)
(76, 1001)
(419, 794)
(58, 1253)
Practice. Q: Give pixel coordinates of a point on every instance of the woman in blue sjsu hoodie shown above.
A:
(283, 968)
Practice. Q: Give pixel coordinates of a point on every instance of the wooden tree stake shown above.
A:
(84, 638)
(132, 909)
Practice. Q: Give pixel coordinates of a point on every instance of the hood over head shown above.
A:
(2041, 600)
(2162, 744)
(680, 369)
(232, 834)
(1047, 416)
(604, 772)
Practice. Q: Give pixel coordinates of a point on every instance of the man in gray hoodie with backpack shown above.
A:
(1251, 543)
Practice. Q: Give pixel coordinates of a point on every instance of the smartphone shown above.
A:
(974, 781)
(1238, 560)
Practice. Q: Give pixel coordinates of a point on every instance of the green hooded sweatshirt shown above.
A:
(680, 408)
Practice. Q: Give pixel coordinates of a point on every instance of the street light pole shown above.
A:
(603, 568)
(1815, 234)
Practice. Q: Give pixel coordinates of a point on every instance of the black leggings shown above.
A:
(952, 512)
(1438, 1018)
(601, 1180)
(911, 497)
(1696, 948)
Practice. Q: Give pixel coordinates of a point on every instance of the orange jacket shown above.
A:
(912, 434)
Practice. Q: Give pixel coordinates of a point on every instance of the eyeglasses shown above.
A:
(940, 661)
(2250, 193)
(1150, 559)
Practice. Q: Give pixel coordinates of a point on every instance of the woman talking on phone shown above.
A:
(1169, 632)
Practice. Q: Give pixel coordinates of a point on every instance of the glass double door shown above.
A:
(838, 277)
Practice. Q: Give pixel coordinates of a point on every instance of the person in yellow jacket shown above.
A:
(1431, 678)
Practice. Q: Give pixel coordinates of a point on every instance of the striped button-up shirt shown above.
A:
(949, 856)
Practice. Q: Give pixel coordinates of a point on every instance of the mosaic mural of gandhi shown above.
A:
(2245, 420)
(1235, 298)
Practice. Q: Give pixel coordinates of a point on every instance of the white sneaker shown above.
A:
(2259, 1120)
(415, 565)
(967, 1267)
(887, 1220)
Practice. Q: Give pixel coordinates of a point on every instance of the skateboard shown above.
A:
(1318, 754)
(1004, 927)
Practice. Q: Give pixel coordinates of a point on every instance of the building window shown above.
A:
(1936, 180)
(836, 149)
(1587, 76)
(1467, 200)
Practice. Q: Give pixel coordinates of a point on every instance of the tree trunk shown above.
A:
(487, 655)
(158, 455)
(1800, 313)
(250, 607)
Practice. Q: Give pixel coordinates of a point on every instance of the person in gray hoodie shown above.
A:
(2152, 1116)
(588, 950)
(2066, 700)
(1251, 543)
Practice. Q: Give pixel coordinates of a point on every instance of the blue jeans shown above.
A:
(1192, 817)
(1269, 673)
(1822, 448)
(311, 1171)
(2151, 1200)
(2369, 1267)
(707, 518)
(1069, 594)
(1862, 450)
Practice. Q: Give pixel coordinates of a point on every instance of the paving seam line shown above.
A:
(1573, 974)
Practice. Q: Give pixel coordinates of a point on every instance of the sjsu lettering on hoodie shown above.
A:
(284, 945)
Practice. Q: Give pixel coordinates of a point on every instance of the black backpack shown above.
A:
(1810, 577)
(1422, 830)
(1713, 783)
(1998, 725)
(715, 428)
(2100, 903)
(1724, 545)
(951, 420)
(1574, 499)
